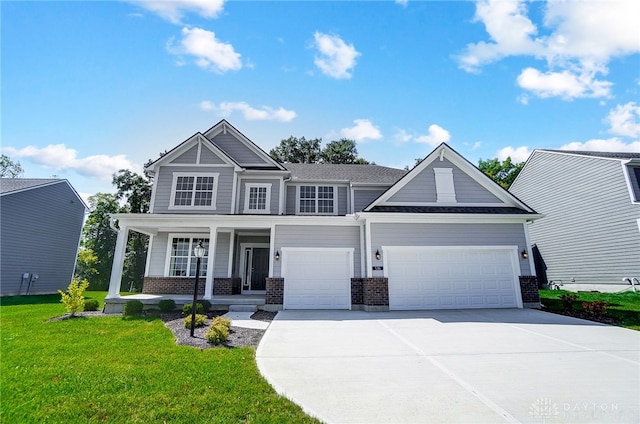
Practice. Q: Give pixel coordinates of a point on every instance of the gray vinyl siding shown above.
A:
(342, 198)
(207, 157)
(189, 157)
(362, 198)
(164, 181)
(221, 269)
(158, 255)
(422, 188)
(274, 206)
(237, 150)
(451, 235)
(590, 227)
(40, 230)
(322, 236)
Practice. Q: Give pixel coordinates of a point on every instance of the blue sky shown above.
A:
(92, 87)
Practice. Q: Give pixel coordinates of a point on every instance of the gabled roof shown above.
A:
(442, 151)
(603, 155)
(355, 174)
(10, 186)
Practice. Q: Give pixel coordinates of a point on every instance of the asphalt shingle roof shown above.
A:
(608, 155)
(367, 174)
(7, 185)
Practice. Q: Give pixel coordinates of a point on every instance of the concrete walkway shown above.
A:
(243, 319)
(478, 366)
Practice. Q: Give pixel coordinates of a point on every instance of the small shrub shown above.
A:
(73, 298)
(218, 332)
(132, 307)
(167, 305)
(91, 305)
(206, 305)
(186, 309)
(597, 308)
(567, 300)
(201, 320)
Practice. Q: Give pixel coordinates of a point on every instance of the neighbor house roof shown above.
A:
(9, 185)
(607, 155)
(363, 174)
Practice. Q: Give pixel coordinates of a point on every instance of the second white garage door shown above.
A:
(317, 278)
(452, 277)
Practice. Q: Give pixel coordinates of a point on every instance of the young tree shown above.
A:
(504, 173)
(297, 150)
(10, 168)
(341, 151)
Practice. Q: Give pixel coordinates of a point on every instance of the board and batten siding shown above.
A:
(164, 181)
(422, 188)
(40, 230)
(274, 204)
(362, 198)
(342, 198)
(322, 236)
(389, 234)
(237, 150)
(589, 232)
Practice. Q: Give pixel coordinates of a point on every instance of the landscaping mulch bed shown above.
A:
(238, 336)
(603, 319)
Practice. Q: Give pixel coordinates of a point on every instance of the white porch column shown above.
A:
(118, 263)
(213, 239)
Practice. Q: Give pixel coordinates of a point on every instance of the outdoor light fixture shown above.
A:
(524, 254)
(199, 252)
(277, 255)
(378, 255)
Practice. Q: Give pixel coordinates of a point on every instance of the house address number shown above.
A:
(378, 268)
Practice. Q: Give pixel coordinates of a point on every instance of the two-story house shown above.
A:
(322, 236)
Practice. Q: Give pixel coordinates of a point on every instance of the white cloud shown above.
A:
(264, 113)
(210, 53)
(60, 157)
(517, 154)
(564, 84)
(336, 58)
(402, 2)
(579, 40)
(174, 11)
(599, 145)
(401, 136)
(435, 136)
(362, 130)
(625, 120)
(476, 145)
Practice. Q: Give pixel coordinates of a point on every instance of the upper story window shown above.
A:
(257, 198)
(182, 261)
(194, 191)
(320, 200)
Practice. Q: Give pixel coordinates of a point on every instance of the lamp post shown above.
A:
(198, 251)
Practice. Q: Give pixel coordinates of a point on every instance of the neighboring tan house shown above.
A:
(322, 236)
(589, 238)
(40, 227)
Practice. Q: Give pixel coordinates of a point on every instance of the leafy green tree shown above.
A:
(504, 173)
(341, 151)
(86, 264)
(297, 150)
(10, 168)
(100, 238)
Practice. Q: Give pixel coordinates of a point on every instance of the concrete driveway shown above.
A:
(471, 366)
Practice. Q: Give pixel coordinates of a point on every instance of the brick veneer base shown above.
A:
(274, 294)
(182, 285)
(357, 291)
(529, 289)
(375, 292)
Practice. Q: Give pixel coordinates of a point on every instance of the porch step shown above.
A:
(243, 308)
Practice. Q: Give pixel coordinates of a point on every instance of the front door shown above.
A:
(256, 268)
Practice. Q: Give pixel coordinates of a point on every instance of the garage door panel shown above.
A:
(432, 278)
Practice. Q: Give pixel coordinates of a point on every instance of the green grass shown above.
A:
(622, 306)
(122, 370)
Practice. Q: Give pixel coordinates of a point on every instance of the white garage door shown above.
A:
(452, 277)
(317, 278)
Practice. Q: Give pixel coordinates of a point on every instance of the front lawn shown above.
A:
(623, 307)
(111, 369)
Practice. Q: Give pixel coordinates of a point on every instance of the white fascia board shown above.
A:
(186, 145)
(377, 217)
(295, 181)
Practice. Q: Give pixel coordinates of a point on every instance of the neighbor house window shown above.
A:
(182, 262)
(196, 191)
(317, 200)
(257, 198)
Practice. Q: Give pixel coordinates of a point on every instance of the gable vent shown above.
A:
(445, 190)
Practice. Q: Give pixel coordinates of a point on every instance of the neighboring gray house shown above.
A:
(589, 238)
(40, 226)
(321, 236)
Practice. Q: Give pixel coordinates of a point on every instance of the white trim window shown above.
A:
(194, 190)
(257, 198)
(181, 261)
(316, 200)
